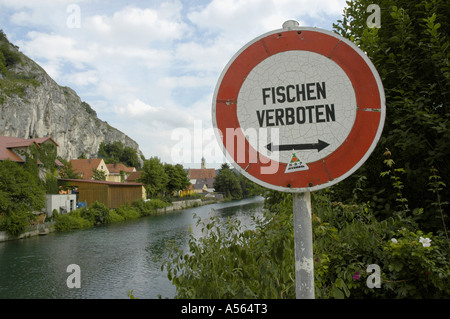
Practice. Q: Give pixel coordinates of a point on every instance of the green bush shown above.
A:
(72, 221)
(127, 212)
(230, 262)
(97, 214)
(149, 207)
(142, 207)
(157, 204)
(10, 57)
(114, 217)
(14, 224)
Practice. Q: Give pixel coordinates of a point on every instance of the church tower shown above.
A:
(203, 163)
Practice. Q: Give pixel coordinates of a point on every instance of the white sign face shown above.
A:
(309, 101)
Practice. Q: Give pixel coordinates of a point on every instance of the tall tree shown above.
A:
(411, 53)
(227, 182)
(153, 176)
(20, 195)
(178, 179)
(118, 153)
(67, 170)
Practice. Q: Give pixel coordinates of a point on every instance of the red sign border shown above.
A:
(350, 155)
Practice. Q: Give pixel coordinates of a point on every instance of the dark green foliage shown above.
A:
(154, 177)
(20, 194)
(230, 262)
(249, 188)
(72, 221)
(10, 57)
(118, 153)
(12, 83)
(128, 212)
(149, 207)
(67, 170)
(227, 182)
(99, 175)
(411, 53)
(178, 179)
(99, 214)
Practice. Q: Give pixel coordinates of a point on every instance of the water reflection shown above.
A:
(113, 258)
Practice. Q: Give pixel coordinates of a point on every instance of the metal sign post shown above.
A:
(297, 110)
(304, 261)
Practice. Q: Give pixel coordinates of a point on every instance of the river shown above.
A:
(112, 259)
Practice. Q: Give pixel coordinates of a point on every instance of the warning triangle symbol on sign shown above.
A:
(295, 165)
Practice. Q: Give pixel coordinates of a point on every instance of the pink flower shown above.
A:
(356, 276)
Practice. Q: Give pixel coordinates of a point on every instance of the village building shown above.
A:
(86, 167)
(112, 194)
(133, 177)
(16, 150)
(118, 172)
(61, 203)
(202, 179)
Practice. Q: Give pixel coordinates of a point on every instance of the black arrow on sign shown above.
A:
(289, 147)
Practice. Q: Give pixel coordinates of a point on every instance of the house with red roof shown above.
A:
(202, 179)
(118, 172)
(85, 167)
(16, 149)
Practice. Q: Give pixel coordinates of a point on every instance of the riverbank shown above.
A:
(49, 227)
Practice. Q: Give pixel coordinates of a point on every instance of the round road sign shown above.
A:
(298, 109)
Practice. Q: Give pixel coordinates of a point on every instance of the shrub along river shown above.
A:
(112, 259)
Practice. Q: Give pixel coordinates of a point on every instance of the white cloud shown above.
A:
(138, 27)
(55, 47)
(85, 78)
(161, 117)
(240, 19)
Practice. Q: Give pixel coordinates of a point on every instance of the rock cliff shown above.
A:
(32, 104)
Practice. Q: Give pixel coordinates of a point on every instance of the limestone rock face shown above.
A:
(32, 104)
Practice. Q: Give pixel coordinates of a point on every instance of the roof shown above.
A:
(86, 166)
(202, 173)
(116, 168)
(90, 181)
(134, 176)
(7, 144)
(199, 183)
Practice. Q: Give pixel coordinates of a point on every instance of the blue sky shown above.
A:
(149, 68)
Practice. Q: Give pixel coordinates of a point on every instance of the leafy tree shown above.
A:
(249, 188)
(99, 175)
(411, 54)
(97, 214)
(227, 182)
(47, 156)
(20, 195)
(118, 153)
(10, 57)
(178, 179)
(153, 176)
(67, 170)
(40, 162)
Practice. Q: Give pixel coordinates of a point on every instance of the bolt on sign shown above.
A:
(298, 109)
